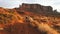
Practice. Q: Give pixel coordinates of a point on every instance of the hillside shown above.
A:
(29, 19)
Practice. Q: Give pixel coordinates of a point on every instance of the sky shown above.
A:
(15, 3)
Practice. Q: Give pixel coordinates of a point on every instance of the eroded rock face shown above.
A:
(36, 8)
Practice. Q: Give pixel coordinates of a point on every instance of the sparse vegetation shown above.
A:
(42, 17)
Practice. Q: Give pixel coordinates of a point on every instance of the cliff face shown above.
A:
(29, 19)
(36, 8)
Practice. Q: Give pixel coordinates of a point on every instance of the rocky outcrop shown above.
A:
(37, 9)
(29, 19)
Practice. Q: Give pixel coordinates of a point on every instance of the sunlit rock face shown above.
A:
(8, 17)
(29, 19)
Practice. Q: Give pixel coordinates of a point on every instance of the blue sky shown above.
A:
(15, 3)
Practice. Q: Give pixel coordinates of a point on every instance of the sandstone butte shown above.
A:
(29, 19)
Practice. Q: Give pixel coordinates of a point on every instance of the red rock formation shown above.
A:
(19, 20)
